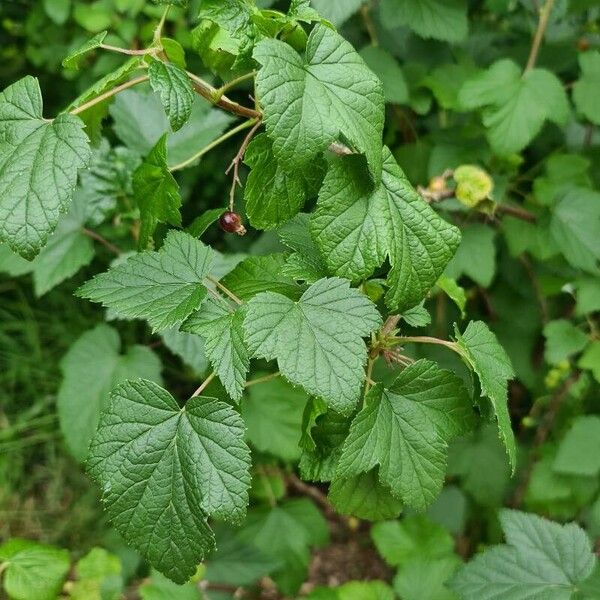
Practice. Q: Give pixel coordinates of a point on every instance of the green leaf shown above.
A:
(444, 20)
(417, 316)
(368, 590)
(163, 469)
(156, 192)
(305, 263)
(574, 227)
(416, 536)
(273, 195)
(180, 3)
(163, 287)
(106, 181)
(364, 497)
(67, 250)
(317, 341)
(175, 89)
(480, 461)
(202, 222)
(39, 161)
(585, 89)
(221, 328)
(590, 588)
(426, 578)
(308, 102)
(236, 31)
(445, 83)
(579, 451)
(140, 122)
(488, 359)
(456, 293)
(161, 588)
(541, 560)
(588, 295)
(98, 577)
(562, 172)
(386, 67)
(57, 10)
(188, 346)
(356, 227)
(272, 412)
(405, 429)
(563, 340)
(92, 367)
(261, 274)
(300, 10)
(337, 11)
(33, 571)
(304, 528)
(590, 359)
(476, 255)
(72, 61)
(12, 264)
(516, 105)
(235, 561)
(324, 432)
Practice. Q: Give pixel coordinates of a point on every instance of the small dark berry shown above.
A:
(232, 223)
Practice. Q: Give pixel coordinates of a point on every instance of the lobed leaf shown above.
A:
(164, 469)
(317, 341)
(163, 287)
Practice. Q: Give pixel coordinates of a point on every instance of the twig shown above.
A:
(390, 324)
(213, 144)
(218, 296)
(235, 163)
(316, 494)
(517, 212)
(262, 379)
(108, 94)
(127, 50)
(539, 34)
(536, 287)
(97, 237)
(231, 84)
(204, 385)
(365, 13)
(432, 196)
(541, 436)
(209, 92)
(225, 290)
(423, 339)
(161, 24)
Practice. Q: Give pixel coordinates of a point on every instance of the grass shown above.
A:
(43, 494)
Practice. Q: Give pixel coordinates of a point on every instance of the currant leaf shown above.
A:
(163, 287)
(164, 469)
(308, 101)
(357, 227)
(273, 195)
(156, 192)
(221, 328)
(405, 430)
(493, 367)
(317, 341)
(175, 89)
